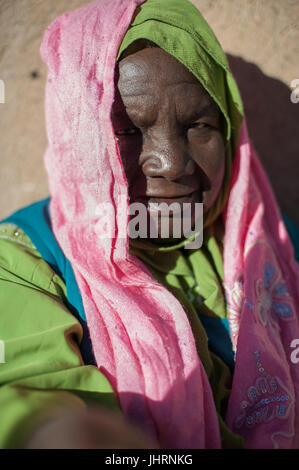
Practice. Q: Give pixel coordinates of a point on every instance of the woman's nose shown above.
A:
(166, 157)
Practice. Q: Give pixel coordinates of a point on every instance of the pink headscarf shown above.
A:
(140, 334)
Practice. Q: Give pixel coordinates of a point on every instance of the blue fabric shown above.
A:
(293, 230)
(219, 339)
(36, 223)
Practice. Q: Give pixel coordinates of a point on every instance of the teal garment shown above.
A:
(219, 339)
(293, 231)
(35, 221)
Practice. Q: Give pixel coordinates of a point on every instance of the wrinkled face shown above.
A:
(169, 132)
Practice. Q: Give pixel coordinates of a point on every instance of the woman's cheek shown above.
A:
(208, 152)
(216, 177)
(216, 161)
(210, 157)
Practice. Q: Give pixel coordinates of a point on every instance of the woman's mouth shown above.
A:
(173, 204)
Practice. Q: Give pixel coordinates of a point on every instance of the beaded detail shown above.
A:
(15, 234)
(266, 400)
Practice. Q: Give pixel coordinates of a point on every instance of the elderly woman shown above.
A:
(192, 344)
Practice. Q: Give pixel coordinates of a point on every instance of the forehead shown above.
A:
(153, 68)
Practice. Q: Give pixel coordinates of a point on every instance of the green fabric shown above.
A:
(195, 277)
(43, 369)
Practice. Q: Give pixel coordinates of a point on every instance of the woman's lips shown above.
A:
(151, 202)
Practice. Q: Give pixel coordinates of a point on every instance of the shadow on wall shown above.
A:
(273, 124)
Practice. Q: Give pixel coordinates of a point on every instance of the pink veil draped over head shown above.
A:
(140, 334)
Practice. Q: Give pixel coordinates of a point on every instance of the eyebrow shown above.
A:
(208, 110)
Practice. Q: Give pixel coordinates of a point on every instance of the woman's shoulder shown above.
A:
(22, 263)
(13, 236)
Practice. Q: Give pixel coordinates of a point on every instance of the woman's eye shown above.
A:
(199, 125)
(128, 131)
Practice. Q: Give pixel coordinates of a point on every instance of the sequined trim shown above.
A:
(7, 233)
(267, 399)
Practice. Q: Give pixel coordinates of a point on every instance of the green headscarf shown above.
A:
(195, 276)
(178, 28)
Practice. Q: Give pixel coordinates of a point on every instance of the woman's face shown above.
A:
(169, 132)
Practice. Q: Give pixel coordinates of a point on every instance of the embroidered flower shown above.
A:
(267, 399)
(272, 296)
